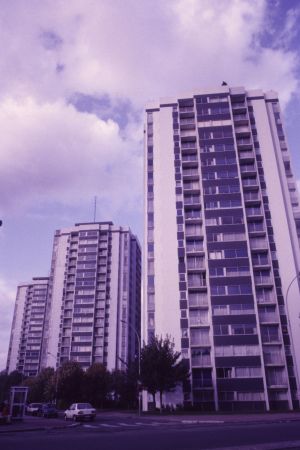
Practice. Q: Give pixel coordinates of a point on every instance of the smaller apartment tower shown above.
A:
(24, 351)
(93, 307)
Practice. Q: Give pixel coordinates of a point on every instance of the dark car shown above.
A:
(47, 410)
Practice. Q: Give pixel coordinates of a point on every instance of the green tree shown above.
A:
(69, 379)
(15, 378)
(161, 367)
(41, 387)
(96, 384)
(124, 386)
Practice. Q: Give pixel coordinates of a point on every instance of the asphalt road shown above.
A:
(151, 435)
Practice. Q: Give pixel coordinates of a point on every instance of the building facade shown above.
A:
(93, 308)
(88, 310)
(222, 253)
(24, 353)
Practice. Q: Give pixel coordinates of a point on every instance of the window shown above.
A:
(221, 330)
(224, 372)
(218, 290)
(199, 336)
(215, 255)
(270, 333)
(216, 272)
(243, 329)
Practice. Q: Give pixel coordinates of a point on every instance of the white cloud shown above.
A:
(7, 298)
(140, 49)
(53, 153)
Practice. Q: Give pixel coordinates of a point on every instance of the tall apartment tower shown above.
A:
(93, 307)
(222, 247)
(26, 337)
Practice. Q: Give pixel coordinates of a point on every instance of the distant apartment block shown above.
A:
(92, 312)
(222, 227)
(24, 353)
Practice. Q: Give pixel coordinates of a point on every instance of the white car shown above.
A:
(33, 408)
(80, 411)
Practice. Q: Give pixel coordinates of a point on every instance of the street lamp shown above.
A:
(56, 378)
(289, 323)
(139, 357)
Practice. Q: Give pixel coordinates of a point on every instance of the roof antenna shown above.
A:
(95, 208)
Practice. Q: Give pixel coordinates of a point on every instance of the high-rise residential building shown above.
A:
(88, 310)
(24, 351)
(93, 307)
(222, 247)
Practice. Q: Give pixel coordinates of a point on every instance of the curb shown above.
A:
(22, 430)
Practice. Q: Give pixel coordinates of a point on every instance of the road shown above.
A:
(149, 434)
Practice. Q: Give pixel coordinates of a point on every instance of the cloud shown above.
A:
(7, 298)
(141, 50)
(53, 153)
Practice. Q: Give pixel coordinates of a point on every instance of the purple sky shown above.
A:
(74, 78)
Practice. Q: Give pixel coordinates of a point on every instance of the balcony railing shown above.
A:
(263, 279)
(264, 317)
(203, 360)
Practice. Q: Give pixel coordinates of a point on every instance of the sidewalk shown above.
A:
(36, 423)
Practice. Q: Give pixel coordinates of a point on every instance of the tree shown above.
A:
(124, 386)
(161, 367)
(96, 384)
(69, 382)
(15, 378)
(41, 387)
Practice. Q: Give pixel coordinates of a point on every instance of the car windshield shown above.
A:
(84, 406)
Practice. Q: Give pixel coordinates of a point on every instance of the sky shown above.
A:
(75, 76)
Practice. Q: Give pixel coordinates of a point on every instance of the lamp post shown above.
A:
(290, 330)
(139, 357)
(56, 378)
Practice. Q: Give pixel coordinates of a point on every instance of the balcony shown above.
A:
(246, 155)
(244, 143)
(190, 174)
(201, 361)
(239, 107)
(241, 130)
(252, 197)
(188, 133)
(192, 248)
(258, 244)
(274, 359)
(263, 281)
(254, 212)
(250, 183)
(240, 119)
(192, 200)
(198, 300)
(187, 111)
(187, 124)
(268, 318)
(248, 169)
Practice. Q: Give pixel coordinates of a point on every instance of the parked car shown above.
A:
(33, 408)
(80, 411)
(47, 410)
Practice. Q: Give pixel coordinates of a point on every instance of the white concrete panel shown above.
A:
(114, 302)
(56, 302)
(17, 327)
(281, 213)
(167, 312)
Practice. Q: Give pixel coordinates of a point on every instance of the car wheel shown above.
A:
(75, 418)
(65, 417)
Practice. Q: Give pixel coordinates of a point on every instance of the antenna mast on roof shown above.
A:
(95, 208)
